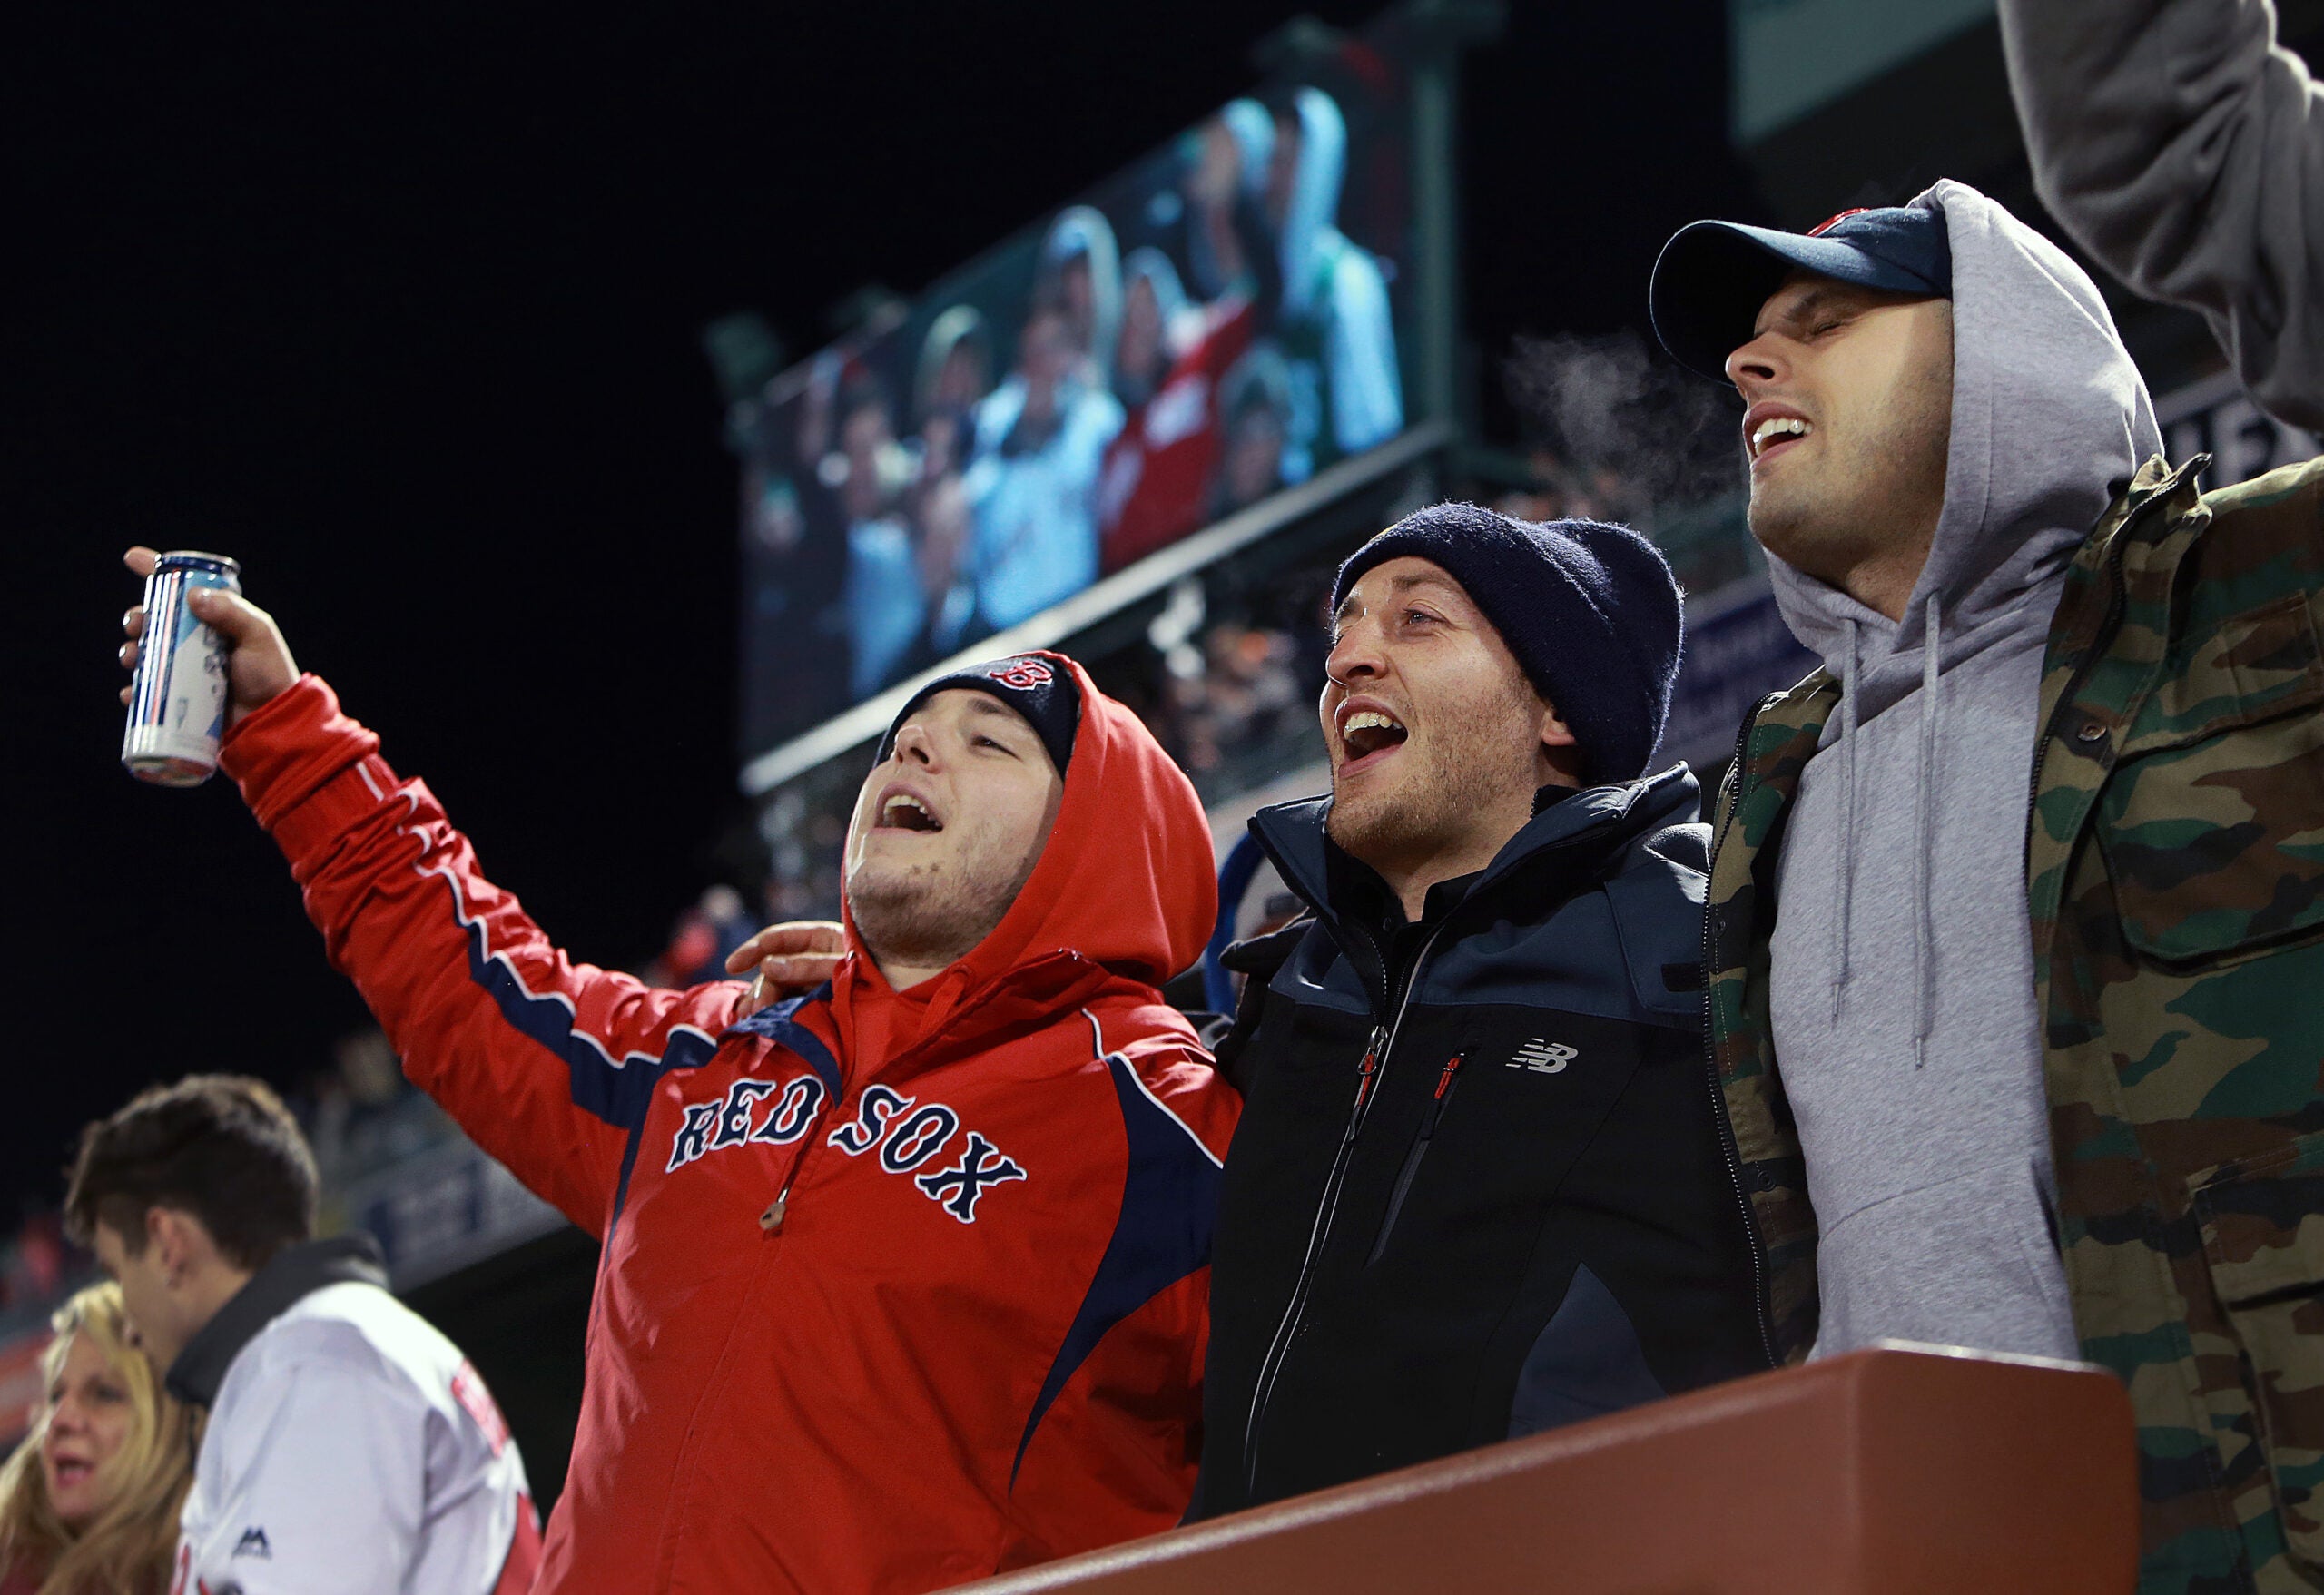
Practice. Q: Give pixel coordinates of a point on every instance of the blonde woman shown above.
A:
(89, 1502)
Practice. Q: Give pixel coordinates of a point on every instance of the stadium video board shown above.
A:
(1208, 328)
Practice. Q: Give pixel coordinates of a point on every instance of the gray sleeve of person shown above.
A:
(2180, 145)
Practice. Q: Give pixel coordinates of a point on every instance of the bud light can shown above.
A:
(177, 699)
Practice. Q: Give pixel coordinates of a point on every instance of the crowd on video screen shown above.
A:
(1219, 323)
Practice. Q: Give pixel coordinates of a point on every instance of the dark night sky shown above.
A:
(400, 306)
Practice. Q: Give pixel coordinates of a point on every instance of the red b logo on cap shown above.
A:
(1829, 222)
(1024, 674)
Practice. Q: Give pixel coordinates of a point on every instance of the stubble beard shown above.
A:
(928, 915)
(1436, 801)
(1825, 522)
(1868, 502)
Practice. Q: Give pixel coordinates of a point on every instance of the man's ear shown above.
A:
(1555, 732)
(178, 1240)
(1561, 749)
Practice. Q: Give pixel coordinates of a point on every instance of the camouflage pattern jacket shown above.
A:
(2175, 880)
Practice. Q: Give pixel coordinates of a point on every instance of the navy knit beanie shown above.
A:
(1589, 610)
(1033, 684)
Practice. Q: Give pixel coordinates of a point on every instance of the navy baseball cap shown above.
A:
(1713, 276)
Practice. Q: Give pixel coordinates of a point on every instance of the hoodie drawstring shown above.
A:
(1925, 829)
(1924, 924)
(1840, 925)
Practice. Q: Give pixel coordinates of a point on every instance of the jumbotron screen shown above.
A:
(1216, 324)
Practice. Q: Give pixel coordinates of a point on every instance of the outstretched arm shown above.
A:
(547, 1064)
(2184, 149)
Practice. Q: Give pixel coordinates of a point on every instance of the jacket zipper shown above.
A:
(771, 1221)
(771, 1218)
(1761, 1309)
(1375, 1059)
(1405, 1177)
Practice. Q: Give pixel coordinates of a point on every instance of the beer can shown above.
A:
(177, 699)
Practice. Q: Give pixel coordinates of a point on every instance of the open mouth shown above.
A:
(70, 1471)
(904, 811)
(1776, 434)
(1370, 731)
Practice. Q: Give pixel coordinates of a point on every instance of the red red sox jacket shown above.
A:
(974, 1340)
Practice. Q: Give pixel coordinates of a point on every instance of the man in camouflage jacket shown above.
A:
(2165, 824)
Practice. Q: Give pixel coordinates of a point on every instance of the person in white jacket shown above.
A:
(349, 1448)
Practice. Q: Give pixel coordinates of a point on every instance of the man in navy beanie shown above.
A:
(1478, 1189)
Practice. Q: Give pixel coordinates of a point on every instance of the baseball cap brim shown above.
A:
(1712, 276)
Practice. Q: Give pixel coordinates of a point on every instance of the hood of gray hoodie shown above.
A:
(2050, 419)
(1902, 991)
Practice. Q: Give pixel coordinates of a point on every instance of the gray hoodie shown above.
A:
(1903, 990)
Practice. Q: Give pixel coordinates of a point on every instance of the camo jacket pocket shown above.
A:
(2262, 1222)
(2212, 822)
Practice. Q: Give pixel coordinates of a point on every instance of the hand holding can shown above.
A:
(204, 656)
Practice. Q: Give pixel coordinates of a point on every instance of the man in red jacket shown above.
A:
(903, 1282)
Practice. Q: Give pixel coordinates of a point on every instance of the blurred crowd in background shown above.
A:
(1226, 673)
(360, 1115)
(1203, 335)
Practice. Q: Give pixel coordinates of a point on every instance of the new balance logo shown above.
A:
(1543, 1056)
(253, 1544)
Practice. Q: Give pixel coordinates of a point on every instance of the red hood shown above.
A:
(1124, 881)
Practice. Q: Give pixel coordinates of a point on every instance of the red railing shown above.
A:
(1891, 1472)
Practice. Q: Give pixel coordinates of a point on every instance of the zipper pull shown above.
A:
(1444, 1080)
(771, 1221)
(1444, 1091)
(1365, 1073)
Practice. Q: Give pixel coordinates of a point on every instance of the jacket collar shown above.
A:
(289, 1277)
(2146, 548)
(1597, 820)
(975, 1018)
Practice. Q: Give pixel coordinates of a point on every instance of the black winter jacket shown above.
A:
(1484, 1193)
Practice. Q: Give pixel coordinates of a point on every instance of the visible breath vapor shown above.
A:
(1646, 436)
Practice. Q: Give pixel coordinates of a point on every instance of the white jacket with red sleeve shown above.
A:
(347, 1447)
